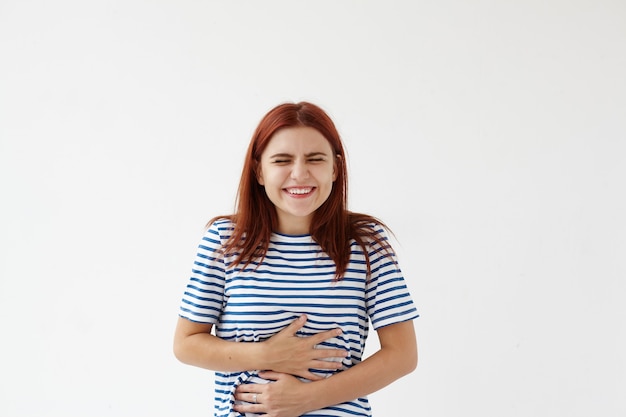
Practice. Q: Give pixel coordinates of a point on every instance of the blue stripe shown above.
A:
(284, 305)
(275, 273)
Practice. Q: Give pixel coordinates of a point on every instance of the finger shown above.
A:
(271, 375)
(311, 376)
(248, 396)
(328, 334)
(326, 364)
(239, 396)
(323, 353)
(248, 408)
(249, 389)
(295, 325)
(275, 376)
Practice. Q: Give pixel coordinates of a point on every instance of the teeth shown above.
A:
(299, 190)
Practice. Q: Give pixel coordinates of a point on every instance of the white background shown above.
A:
(490, 136)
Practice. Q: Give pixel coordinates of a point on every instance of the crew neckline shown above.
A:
(291, 236)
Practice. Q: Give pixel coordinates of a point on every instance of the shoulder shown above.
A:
(371, 234)
(220, 228)
(367, 226)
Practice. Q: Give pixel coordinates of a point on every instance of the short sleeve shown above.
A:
(388, 299)
(204, 295)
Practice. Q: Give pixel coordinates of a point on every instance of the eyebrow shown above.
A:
(288, 155)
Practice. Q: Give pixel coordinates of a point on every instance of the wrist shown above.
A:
(313, 396)
(264, 356)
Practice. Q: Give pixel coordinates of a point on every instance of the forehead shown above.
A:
(298, 139)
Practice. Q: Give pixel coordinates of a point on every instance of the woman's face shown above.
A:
(297, 169)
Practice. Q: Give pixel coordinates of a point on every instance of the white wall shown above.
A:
(490, 135)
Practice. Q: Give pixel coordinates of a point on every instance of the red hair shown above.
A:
(332, 227)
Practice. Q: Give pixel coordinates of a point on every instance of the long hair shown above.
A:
(332, 226)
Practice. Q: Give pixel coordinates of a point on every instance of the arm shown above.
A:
(288, 397)
(284, 352)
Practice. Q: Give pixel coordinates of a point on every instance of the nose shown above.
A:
(300, 170)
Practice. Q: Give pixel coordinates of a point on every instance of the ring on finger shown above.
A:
(254, 398)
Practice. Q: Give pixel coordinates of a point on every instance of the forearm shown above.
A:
(210, 352)
(371, 375)
(284, 352)
(397, 357)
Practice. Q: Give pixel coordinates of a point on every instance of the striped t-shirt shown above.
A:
(296, 277)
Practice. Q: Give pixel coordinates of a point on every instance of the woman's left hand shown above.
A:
(285, 397)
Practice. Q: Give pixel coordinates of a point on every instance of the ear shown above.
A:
(338, 161)
(259, 174)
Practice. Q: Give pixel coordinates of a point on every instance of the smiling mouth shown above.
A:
(299, 191)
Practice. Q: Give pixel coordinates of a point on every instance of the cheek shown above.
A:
(330, 176)
(268, 175)
(271, 177)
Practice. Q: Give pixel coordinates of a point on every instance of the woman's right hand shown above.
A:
(288, 353)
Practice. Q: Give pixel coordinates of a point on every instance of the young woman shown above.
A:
(291, 282)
